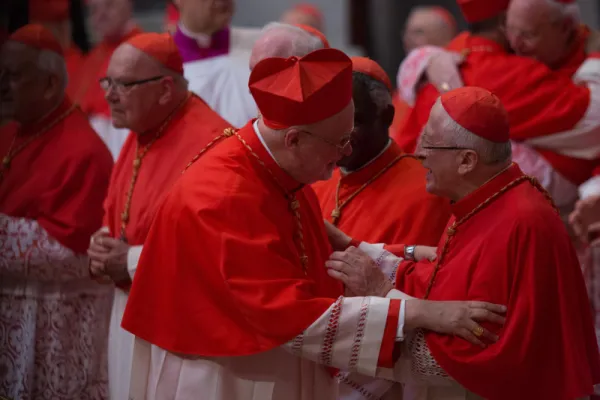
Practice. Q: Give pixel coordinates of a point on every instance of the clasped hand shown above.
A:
(108, 258)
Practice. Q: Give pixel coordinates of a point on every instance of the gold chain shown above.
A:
(10, 155)
(137, 164)
(226, 133)
(336, 214)
(452, 230)
(294, 206)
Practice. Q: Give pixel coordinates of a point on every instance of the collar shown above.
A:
(254, 139)
(345, 171)
(50, 118)
(468, 203)
(365, 173)
(202, 40)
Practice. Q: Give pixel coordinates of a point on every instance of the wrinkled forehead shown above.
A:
(528, 12)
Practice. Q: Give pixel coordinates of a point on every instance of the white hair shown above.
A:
(300, 42)
(489, 152)
(564, 10)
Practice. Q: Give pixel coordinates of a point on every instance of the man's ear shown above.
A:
(168, 88)
(292, 137)
(467, 162)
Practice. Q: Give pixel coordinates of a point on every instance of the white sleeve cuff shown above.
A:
(386, 261)
(133, 258)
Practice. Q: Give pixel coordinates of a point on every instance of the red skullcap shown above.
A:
(35, 35)
(302, 91)
(369, 67)
(478, 111)
(48, 10)
(315, 32)
(161, 47)
(480, 10)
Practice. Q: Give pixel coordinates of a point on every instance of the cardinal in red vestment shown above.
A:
(505, 243)
(53, 180)
(378, 192)
(167, 131)
(231, 297)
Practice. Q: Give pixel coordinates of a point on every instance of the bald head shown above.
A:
(542, 29)
(35, 81)
(283, 40)
(428, 26)
(140, 91)
(110, 19)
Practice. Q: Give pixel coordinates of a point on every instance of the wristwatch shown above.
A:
(409, 252)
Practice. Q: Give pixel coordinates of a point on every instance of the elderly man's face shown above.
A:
(109, 17)
(24, 85)
(206, 16)
(440, 158)
(133, 86)
(535, 30)
(319, 148)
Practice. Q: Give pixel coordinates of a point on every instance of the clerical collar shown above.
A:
(203, 40)
(471, 201)
(346, 171)
(285, 180)
(262, 141)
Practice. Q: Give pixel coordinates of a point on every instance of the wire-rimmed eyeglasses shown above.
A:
(107, 82)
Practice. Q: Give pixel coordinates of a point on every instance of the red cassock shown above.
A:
(190, 129)
(88, 94)
(551, 102)
(514, 251)
(225, 232)
(393, 208)
(60, 178)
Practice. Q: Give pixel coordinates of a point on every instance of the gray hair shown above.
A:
(52, 63)
(300, 42)
(489, 152)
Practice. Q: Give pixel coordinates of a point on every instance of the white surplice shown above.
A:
(53, 318)
(114, 138)
(120, 342)
(222, 81)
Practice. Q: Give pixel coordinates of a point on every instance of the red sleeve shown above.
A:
(386, 359)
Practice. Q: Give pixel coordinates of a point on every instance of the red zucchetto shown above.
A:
(478, 111)
(302, 91)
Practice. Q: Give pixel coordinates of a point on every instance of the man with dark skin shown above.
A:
(377, 176)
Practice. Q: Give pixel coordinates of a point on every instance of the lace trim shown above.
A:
(424, 365)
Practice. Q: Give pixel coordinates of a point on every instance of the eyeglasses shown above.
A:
(341, 146)
(107, 82)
